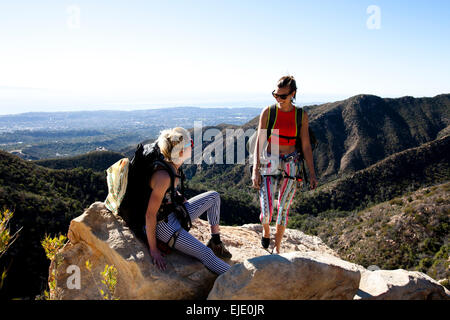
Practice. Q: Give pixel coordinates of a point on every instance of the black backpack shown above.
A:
(147, 160)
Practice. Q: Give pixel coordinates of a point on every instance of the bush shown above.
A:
(396, 201)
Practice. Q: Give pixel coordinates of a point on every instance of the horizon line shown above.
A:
(310, 103)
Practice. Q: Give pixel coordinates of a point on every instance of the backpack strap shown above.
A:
(173, 175)
(177, 206)
(169, 170)
(298, 125)
(182, 178)
(271, 119)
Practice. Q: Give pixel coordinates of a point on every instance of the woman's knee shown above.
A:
(214, 194)
(215, 199)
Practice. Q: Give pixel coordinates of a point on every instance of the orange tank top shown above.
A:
(285, 122)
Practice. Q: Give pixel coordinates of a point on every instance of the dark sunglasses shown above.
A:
(189, 144)
(281, 96)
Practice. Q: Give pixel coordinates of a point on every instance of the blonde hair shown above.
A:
(172, 141)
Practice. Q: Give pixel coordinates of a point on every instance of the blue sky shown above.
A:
(80, 55)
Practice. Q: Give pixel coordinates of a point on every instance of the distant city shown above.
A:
(40, 135)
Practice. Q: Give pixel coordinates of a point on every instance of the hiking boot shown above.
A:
(219, 250)
(265, 242)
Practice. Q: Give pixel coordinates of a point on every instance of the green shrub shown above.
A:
(396, 201)
(51, 247)
(6, 239)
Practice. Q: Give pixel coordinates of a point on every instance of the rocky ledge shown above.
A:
(307, 268)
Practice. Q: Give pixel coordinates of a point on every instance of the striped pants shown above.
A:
(286, 190)
(210, 202)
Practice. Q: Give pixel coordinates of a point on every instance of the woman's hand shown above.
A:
(158, 259)
(313, 182)
(256, 179)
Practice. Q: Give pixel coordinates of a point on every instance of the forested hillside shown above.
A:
(43, 201)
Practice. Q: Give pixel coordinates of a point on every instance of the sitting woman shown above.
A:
(176, 147)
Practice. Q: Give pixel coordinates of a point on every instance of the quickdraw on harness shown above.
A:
(283, 173)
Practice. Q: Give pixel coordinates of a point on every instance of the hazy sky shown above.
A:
(73, 55)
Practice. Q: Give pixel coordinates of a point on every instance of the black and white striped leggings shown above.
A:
(210, 202)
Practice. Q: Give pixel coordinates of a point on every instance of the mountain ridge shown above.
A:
(359, 131)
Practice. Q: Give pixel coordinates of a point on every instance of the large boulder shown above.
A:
(104, 239)
(399, 285)
(294, 275)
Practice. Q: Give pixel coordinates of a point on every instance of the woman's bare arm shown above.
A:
(261, 136)
(307, 150)
(159, 183)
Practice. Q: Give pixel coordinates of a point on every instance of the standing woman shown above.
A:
(268, 185)
(176, 146)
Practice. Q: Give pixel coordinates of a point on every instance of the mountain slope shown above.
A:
(402, 172)
(364, 129)
(360, 131)
(44, 201)
(410, 232)
(397, 174)
(95, 160)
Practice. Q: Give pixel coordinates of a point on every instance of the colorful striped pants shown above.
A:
(286, 188)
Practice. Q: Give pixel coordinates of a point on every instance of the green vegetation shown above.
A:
(51, 247)
(44, 201)
(96, 160)
(109, 280)
(6, 239)
(395, 234)
(386, 180)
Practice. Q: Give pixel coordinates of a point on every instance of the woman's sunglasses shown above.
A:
(281, 96)
(191, 144)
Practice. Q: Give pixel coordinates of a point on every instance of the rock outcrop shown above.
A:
(399, 285)
(104, 239)
(294, 275)
(307, 268)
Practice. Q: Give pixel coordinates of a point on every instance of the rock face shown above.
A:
(103, 238)
(245, 242)
(399, 285)
(307, 268)
(294, 275)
